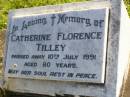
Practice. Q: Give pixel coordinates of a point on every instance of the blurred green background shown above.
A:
(6, 5)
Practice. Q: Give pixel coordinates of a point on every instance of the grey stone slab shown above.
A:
(117, 53)
(67, 46)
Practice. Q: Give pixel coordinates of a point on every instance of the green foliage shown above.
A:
(127, 2)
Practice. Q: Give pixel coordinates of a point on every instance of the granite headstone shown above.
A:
(79, 49)
(68, 46)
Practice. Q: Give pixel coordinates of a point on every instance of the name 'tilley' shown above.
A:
(50, 47)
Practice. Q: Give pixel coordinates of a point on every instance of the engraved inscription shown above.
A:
(64, 46)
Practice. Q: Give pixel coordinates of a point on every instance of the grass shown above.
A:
(127, 2)
(6, 5)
